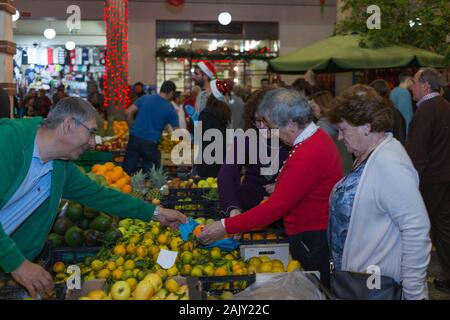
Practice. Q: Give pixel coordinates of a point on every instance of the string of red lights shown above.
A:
(116, 89)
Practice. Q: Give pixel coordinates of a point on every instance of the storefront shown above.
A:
(241, 53)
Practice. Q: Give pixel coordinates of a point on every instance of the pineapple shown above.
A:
(158, 178)
(138, 185)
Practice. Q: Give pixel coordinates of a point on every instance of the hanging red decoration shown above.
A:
(175, 3)
(116, 89)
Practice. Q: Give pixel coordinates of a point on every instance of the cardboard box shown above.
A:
(273, 251)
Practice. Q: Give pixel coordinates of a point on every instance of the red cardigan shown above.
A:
(302, 190)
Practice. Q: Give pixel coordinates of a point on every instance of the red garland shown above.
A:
(116, 89)
(175, 3)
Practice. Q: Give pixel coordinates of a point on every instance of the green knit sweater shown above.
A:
(68, 182)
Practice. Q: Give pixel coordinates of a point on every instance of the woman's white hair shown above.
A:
(283, 105)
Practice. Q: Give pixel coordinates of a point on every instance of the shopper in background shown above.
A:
(322, 104)
(216, 115)
(43, 104)
(96, 99)
(236, 105)
(137, 91)
(302, 86)
(237, 193)
(401, 97)
(399, 125)
(35, 175)
(428, 145)
(154, 113)
(179, 109)
(377, 215)
(204, 73)
(29, 103)
(303, 186)
(5, 104)
(265, 84)
(60, 94)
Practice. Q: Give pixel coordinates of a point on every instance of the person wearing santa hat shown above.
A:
(216, 115)
(204, 73)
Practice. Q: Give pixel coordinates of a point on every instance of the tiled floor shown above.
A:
(433, 271)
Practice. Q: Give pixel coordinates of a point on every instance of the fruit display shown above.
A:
(115, 135)
(134, 257)
(109, 174)
(261, 236)
(166, 144)
(152, 287)
(178, 183)
(83, 227)
(149, 186)
(113, 143)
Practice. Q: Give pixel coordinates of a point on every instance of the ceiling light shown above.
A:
(70, 45)
(49, 33)
(224, 18)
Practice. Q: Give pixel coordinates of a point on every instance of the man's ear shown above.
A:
(66, 126)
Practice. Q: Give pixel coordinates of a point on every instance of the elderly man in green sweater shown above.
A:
(35, 175)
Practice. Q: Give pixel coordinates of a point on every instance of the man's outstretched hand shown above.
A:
(171, 218)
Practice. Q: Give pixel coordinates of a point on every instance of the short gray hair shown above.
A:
(70, 107)
(281, 105)
(433, 78)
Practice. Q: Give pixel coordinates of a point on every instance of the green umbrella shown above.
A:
(343, 53)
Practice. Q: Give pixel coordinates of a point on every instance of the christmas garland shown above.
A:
(219, 54)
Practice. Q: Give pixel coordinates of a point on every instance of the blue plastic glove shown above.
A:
(227, 244)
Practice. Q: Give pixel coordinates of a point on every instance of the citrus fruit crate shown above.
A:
(265, 236)
(89, 158)
(279, 251)
(200, 288)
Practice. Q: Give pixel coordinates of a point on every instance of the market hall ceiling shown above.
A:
(251, 2)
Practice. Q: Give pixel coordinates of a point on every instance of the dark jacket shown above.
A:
(210, 121)
(428, 142)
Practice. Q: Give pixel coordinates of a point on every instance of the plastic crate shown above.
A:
(266, 236)
(74, 255)
(201, 287)
(10, 290)
(195, 208)
(278, 251)
(89, 158)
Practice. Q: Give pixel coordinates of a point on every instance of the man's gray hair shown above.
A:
(70, 107)
(433, 78)
(281, 105)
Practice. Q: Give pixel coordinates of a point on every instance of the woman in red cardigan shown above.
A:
(303, 186)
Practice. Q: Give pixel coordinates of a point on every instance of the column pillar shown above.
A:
(344, 80)
(7, 49)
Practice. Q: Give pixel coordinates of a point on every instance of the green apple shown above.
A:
(121, 290)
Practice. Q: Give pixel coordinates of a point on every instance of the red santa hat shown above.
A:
(208, 69)
(221, 89)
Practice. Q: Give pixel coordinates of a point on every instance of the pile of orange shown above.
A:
(120, 128)
(114, 175)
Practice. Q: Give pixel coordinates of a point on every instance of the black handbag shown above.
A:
(348, 285)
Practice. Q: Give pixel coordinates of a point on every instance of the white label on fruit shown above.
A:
(98, 139)
(167, 258)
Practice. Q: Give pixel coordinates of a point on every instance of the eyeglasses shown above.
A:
(262, 121)
(92, 131)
